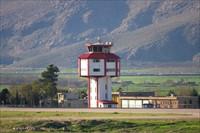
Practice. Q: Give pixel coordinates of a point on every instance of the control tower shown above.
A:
(99, 65)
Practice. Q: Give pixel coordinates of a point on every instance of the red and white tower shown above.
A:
(99, 66)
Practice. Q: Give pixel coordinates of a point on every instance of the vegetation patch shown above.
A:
(115, 126)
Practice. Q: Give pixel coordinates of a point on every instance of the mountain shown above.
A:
(38, 33)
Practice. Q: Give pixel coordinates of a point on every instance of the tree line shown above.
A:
(37, 93)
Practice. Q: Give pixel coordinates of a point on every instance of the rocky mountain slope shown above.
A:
(37, 33)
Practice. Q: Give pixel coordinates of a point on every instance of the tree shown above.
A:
(171, 92)
(26, 94)
(17, 98)
(49, 79)
(38, 91)
(4, 96)
(119, 89)
(83, 94)
(187, 91)
(194, 92)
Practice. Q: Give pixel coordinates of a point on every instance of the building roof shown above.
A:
(148, 98)
(98, 44)
(135, 94)
(107, 102)
(98, 56)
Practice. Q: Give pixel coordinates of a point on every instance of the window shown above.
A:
(110, 70)
(106, 50)
(190, 101)
(90, 49)
(106, 87)
(99, 49)
(106, 96)
(110, 60)
(96, 60)
(96, 70)
(94, 49)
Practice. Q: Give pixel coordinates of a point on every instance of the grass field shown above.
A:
(69, 79)
(160, 84)
(39, 114)
(4, 86)
(159, 79)
(19, 121)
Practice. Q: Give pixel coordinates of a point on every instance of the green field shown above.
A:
(69, 79)
(159, 84)
(159, 79)
(23, 114)
(4, 86)
(14, 121)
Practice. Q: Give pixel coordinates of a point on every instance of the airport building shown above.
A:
(149, 100)
(71, 100)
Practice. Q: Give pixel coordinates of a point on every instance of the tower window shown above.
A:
(94, 49)
(96, 70)
(99, 49)
(110, 60)
(90, 49)
(106, 96)
(96, 60)
(110, 70)
(106, 87)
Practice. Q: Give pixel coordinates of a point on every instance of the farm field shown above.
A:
(97, 120)
(161, 85)
(68, 78)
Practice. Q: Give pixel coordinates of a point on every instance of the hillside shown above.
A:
(37, 33)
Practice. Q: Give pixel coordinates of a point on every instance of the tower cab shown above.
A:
(99, 47)
(98, 61)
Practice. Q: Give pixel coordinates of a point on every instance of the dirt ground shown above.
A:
(181, 113)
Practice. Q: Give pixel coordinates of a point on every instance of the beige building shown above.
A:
(149, 100)
(71, 100)
(189, 101)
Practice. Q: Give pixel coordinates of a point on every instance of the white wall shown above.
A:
(131, 103)
(84, 67)
(125, 103)
(111, 65)
(101, 85)
(97, 65)
(93, 94)
(101, 90)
